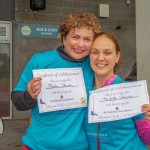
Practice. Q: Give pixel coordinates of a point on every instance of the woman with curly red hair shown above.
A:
(59, 130)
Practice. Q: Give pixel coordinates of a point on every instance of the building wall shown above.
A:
(23, 48)
(7, 9)
(142, 40)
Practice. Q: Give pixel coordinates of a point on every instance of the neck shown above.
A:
(63, 54)
(100, 81)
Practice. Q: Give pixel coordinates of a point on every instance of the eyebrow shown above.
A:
(89, 37)
(104, 49)
(109, 49)
(94, 49)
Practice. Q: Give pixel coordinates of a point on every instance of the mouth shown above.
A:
(101, 65)
(78, 51)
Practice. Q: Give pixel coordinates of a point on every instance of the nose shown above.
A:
(80, 43)
(100, 57)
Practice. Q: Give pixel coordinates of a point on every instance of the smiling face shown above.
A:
(103, 57)
(78, 42)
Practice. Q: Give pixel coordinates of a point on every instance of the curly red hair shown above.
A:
(79, 20)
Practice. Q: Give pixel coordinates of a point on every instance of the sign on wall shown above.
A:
(38, 31)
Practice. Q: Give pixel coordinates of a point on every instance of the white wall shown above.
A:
(143, 40)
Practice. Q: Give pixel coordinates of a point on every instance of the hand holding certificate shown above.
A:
(61, 89)
(118, 101)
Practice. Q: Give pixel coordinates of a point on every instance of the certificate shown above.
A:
(61, 89)
(119, 101)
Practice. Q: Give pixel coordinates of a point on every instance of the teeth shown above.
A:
(78, 50)
(100, 65)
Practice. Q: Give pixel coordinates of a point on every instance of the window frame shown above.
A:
(9, 41)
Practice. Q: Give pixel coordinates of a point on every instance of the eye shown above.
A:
(87, 39)
(108, 53)
(94, 52)
(75, 37)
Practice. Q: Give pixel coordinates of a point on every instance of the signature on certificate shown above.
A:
(53, 86)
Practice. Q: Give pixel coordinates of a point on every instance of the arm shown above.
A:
(143, 125)
(27, 100)
(23, 100)
(25, 93)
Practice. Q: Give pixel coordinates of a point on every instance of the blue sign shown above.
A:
(38, 31)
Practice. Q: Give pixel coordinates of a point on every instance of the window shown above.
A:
(5, 68)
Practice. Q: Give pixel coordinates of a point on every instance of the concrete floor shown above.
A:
(13, 131)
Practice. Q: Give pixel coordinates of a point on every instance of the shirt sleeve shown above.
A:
(27, 73)
(20, 96)
(143, 127)
(22, 100)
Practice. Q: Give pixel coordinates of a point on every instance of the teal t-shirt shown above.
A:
(58, 130)
(114, 135)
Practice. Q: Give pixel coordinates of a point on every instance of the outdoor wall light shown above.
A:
(128, 2)
(37, 4)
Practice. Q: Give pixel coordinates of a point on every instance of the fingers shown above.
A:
(146, 111)
(34, 87)
(147, 117)
(35, 95)
(146, 108)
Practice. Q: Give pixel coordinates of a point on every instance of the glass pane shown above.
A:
(4, 79)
